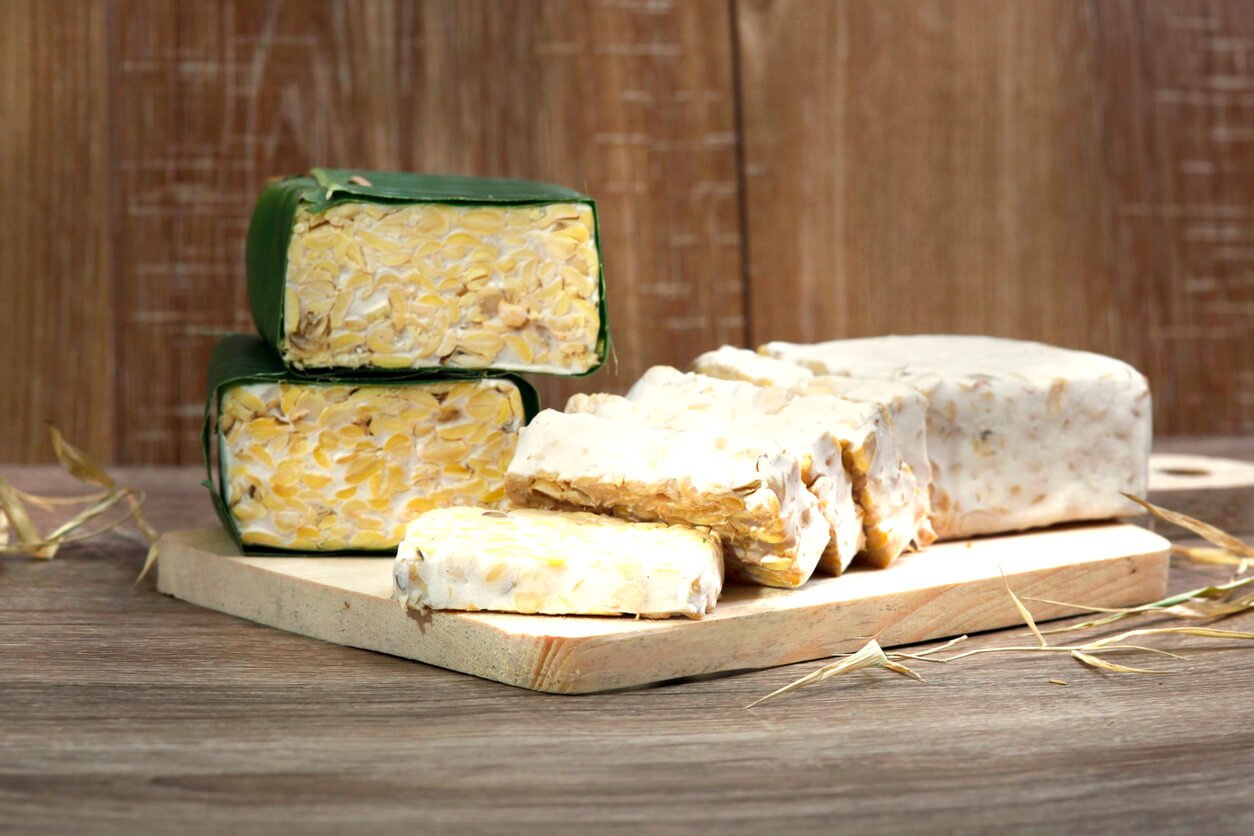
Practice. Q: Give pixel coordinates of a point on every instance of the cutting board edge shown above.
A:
(180, 577)
(578, 664)
(1145, 576)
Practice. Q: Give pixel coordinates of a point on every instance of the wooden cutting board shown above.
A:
(947, 590)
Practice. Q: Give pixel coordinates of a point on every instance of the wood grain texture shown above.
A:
(1071, 172)
(124, 707)
(629, 101)
(1177, 82)
(56, 286)
(938, 196)
(947, 590)
(1078, 172)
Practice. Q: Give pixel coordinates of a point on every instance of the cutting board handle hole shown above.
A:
(1184, 471)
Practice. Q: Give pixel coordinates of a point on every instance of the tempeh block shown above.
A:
(381, 271)
(1020, 434)
(557, 563)
(746, 489)
(311, 465)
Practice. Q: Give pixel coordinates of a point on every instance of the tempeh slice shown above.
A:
(558, 563)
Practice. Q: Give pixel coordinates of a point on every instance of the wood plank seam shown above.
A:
(738, 116)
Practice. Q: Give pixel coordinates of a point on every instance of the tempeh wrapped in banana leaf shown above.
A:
(383, 271)
(334, 465)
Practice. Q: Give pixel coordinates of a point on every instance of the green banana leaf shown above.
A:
(241, 358)
(270, 231)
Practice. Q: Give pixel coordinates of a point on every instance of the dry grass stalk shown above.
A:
(926, 655)
(1023, 611)
(51, 503)
(1215, 601)
(870, 656)
(23, 527)
(1088, 651)
(1204, 632)
(1212, 555)
(26, 538)
(77, 463)
(1095, 662)
(1206, 531)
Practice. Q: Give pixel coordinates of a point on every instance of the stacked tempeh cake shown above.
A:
(393, 309)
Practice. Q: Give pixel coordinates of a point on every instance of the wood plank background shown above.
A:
(1077, 172)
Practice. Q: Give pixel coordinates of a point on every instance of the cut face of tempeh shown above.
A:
(907, 411)
(428, 284)
(817, 450)
(746, 489)
(906, 406)
(333, 467)
(894, 510)
(558, 563)
(351, 269)
(1020, 434)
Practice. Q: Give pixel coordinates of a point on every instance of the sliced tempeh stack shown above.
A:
(906, 406)
(747, 489)
(894, 510)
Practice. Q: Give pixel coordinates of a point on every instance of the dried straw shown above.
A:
(1023, 611)
(26, 538)
(870, 656)
(1206, 531)
(1212, 602)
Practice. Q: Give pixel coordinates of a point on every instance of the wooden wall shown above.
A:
(1077, 172)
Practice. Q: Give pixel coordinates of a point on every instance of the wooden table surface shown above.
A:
(124, 710)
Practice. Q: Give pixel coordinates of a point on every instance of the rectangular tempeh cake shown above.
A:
(314, 465)
(378, 270)
(817, 450)
(560, 563)
(747, 489)
(894, 510)
(1020, 434)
